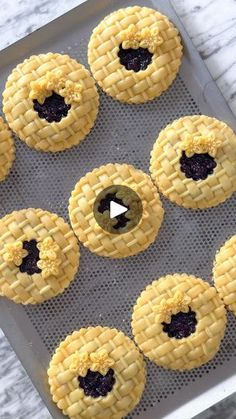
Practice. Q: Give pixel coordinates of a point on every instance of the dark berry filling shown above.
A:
(29, 262)
(105, 205)
(135, 59)
(124, 221)
(53, 108)
(197, 167)
(95, 384)
(182, 325)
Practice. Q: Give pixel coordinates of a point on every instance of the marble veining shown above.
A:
(18, 397)
(211, 25)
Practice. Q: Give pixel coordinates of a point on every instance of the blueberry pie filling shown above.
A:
(53, 108)
(182, 325)
(105, 206)
(123, 196)
(29, 262)
(95, 384)
(135, 59)
(198, 166)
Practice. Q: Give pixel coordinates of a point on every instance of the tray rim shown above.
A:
(25, 350)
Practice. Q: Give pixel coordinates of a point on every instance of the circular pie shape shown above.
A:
(29, 119)
(91, 234)
(31, 274)
(128, 371)
(136, 81)
(7, 150)
(201, 180)
(160, 303)
(224, 273)
(127, 199)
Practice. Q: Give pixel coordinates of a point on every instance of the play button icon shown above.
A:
(116, 209)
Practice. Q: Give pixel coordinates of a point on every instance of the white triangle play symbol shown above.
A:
(116, 209)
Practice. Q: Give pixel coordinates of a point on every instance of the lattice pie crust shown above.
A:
(127, 85)
(224, 273)
(84, 223)
(129, 369)
(25, 225)
(186, 353)
(24, 120)
(172, 182)
(7, 150)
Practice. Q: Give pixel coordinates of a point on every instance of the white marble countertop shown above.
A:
(211, 25)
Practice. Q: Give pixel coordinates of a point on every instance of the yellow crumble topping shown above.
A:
(14, 252)
(48, 248)
(199, 144)
(146, 38)
(80, 363)
(49, 261)
(167, 307)
(55, 82)
(72, 92)
(101, 361)
(49, 267)
(150, 39)
(95, 361)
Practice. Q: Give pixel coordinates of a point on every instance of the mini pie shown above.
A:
(50, 101)
(135, 54)
(224, 273)
(39, 256)
(7, 150)
(179, 321)
(97, 372)
(82, 211)
(193, 161)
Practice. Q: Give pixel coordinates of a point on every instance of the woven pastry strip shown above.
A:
(127, 85)
(25, 225)
(84, 223)
(24, 120)
(194, 350)
(224, 273)
(172, 182)
(7, 150)
(129, 371)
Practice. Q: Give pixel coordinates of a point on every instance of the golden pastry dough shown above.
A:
(127, 364)
(209, 134)
(58, 255)
(28, 81)
(169, 295)
(84, 224)
(7, 150)
(224, 273)
(162, 39)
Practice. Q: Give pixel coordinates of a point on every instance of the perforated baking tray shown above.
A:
(104, 290)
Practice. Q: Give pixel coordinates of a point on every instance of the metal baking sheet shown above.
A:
(104, 290)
